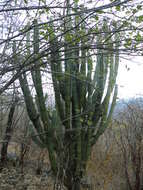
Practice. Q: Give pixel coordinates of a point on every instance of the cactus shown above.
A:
(83, 91)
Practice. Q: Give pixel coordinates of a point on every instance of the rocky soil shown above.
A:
(11, 178)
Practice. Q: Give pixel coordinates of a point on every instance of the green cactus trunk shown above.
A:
(84, 91)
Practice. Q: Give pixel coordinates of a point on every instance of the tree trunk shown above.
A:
(8, 134)
(76, 185)
(73, 184)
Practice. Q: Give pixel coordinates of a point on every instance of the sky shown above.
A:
(130, 77)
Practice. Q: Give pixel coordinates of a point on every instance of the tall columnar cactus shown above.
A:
(85, 95)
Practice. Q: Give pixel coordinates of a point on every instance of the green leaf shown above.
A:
(68, 37)
(76, 1)
(89, 122)
(96, 17)
(140, 18)
(138, 37)
(51, 33)
(100, 11)
(134, 11)
(42, 33)
(43, 1)
(89, 61)
(139, 7)
(118, 8)
(128, 42)
(26, 1)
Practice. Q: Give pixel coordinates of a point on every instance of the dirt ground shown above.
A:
(11, 178)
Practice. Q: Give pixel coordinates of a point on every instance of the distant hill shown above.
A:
(121, 105)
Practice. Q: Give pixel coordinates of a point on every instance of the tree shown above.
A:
(8, 130)
(130, 142)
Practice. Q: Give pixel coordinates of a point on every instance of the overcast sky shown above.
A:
(130, 77)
